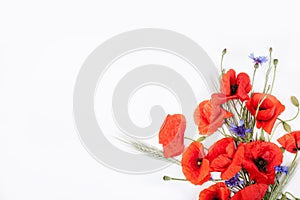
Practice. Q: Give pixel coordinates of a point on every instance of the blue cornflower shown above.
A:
(258, 60)
(239, 130)
(234, 181)
(282, 169)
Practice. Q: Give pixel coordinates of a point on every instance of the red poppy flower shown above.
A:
(195, 166)
(217, 191)
(221, 154)
(268, 111)
(171, 135)
(260, 161)
(224, 158)
(235, 87)
(290, 141)
(209, 117)
(253, 192)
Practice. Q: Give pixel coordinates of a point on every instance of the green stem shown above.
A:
(278, 190)
(274, 129)
(235, 109)
(221, 64)
(291, 195)
(253, 78)
(273, 81)
(294, 160)
(189, 139)
(281, 121)
(298, 111)
(257, 109)
(262, 135)
(168, 178)
(224, 134)
(268, 72)
(230, 110)
(216, 180)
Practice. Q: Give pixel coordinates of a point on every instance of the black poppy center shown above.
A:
(216, 198)
(233, 89)
(262, 108)
(297, 148)
(198, 162)
(261, 164)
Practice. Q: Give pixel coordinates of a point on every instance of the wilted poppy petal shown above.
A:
(209, 117)
(171, 135)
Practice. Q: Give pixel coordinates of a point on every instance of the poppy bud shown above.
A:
(224, 52)
(283, 197)
(270, 49)
(200, 139)
(262, 137)
(167, 178)
(275, 61)
(295, 101)
(286, 127)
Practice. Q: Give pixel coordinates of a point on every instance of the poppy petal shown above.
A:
(195, 166)
(290, 141)
(236, 164)
(171, 135)
(255, 191)
(216, 191)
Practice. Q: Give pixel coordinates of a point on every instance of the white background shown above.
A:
(42, 47)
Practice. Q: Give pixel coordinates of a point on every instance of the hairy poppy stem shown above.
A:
(274, 129)
(189, 139)
(221, 65)
(253, 78)
(298, 111)
(291, 195)
(274, 74)
(268, 71)
(282, 121)
(257, 109)
(168, 178)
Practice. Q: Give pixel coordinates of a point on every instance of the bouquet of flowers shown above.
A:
(246, 163)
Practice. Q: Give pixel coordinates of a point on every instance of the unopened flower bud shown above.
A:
(200, 139)
(295, 101)
(224, 51)
(256, 65)
(283, 197)
(286, 127)
(275, 61)
(270, 49)
(167, 178)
